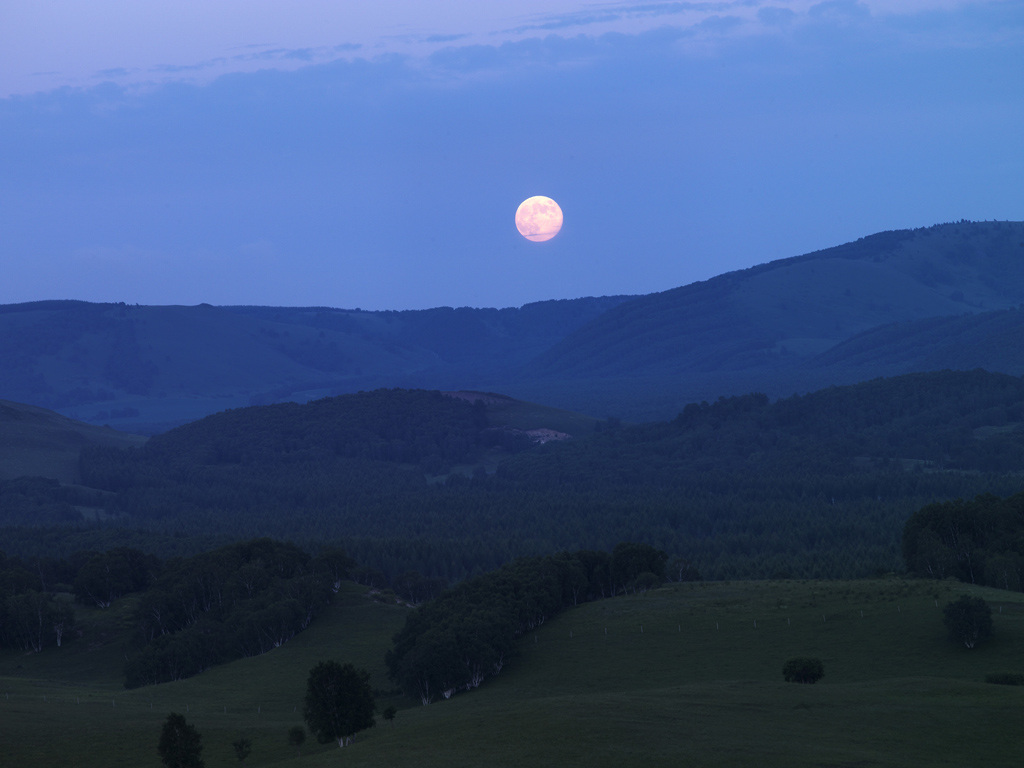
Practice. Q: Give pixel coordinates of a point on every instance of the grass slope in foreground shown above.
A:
(699, 685)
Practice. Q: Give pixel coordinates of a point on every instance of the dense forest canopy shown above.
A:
(814, 485)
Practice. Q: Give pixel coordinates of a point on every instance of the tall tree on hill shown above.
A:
(339, 702)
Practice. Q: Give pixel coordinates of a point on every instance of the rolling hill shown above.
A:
(41, 443)
(812, 485)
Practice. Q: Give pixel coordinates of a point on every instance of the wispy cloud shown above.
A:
(445, 38)
(608, 13)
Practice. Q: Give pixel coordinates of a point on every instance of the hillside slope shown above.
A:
(38, 442)
(990, 340)
(784, 312)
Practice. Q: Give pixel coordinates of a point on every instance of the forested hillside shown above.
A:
(990, 340)
(815, 485)
(774, 314)
(782, 327)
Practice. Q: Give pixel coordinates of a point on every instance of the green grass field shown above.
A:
(678, 676)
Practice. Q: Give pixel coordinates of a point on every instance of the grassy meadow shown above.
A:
(689, 674)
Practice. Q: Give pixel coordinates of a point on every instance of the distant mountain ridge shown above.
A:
(152, 368)
(890, 303)
(786, 326)
(772, 314)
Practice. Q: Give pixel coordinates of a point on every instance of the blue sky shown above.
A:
(373, 154)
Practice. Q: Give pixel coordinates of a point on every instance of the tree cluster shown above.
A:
(34, 610)
(34, 620)
(979, 541)
(469, 633)
(240, 600)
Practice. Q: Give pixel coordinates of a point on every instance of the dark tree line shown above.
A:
(979, 541)
(241, 600)
(469, 633)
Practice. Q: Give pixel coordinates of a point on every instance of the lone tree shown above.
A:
(297, 737)
(339, 702)
(389, 714)
(180, 744)
(243, 748)
(803, 670)
(968, 620)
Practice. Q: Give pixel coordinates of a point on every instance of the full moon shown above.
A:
(538, 218)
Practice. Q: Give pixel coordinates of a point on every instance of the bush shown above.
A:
(803, 670)
(1005, 678)
(968, 620)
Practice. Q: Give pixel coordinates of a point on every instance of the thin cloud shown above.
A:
(617, 12)
(175, 68)
(445, 38)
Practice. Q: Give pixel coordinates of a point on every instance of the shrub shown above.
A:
(803, 670)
